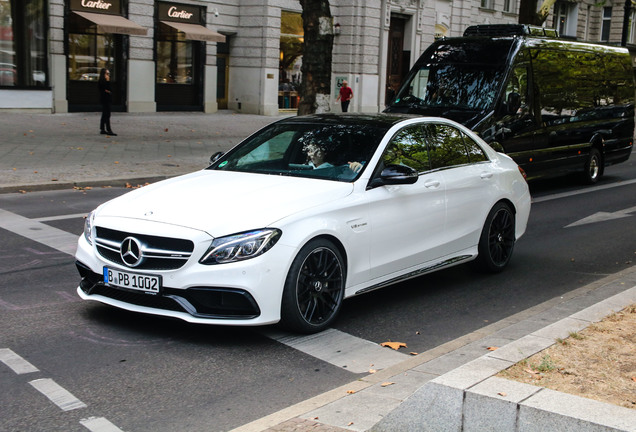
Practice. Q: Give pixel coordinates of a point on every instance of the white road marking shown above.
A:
(99, 424)
(60, 217)
(57, 394)
(582, 191)
(15, 362)
(39, 232)
(342, 350)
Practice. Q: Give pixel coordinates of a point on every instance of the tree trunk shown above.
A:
(315, 89)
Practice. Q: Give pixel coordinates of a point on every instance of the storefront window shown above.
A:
(174, 60)
(23, 43)
(88, 53)
(291, 50)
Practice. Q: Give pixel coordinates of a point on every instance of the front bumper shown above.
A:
(243, 293)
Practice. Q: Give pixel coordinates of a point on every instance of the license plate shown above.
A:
(133, 281)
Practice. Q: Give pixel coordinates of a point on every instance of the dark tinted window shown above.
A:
(571, 83)
(475, 152)
(463, 74)
(446, 146)
(408, 147)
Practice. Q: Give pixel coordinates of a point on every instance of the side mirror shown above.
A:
(513, 103)
(215, 157)
(395, 175)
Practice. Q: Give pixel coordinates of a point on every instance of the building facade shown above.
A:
(242, 55)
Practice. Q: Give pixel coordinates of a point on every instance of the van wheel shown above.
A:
(593, 167)
(497, 240)
(314, 288)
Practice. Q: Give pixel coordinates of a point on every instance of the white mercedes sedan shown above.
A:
(303, 214)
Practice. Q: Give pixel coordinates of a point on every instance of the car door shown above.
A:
(407, 221)
(468, 176)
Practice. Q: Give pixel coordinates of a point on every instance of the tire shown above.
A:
(593, 169)
(497, 240)
(314, 288)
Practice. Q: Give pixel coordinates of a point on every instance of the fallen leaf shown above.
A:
(492, 348)
(166, 130)
(54, 179)
(386, 384)
(372, 371)
(116, 162)
(350, 423)
(634, 379)
(395, 345)
(351, 391)
(502, 394)
(532, 371)
(22, 191)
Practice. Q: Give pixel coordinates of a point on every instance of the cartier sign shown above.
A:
(179, 13)
(98, 6)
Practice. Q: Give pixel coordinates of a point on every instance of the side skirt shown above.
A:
(419, 272)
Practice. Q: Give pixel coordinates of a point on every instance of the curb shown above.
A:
(471, 397)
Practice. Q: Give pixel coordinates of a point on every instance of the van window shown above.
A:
(570, 83)
(463, 76)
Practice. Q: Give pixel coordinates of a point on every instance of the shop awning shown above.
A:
(196, 31)
(113, 23)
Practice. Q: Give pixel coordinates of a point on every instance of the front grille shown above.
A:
(202, 302)
(158, 253)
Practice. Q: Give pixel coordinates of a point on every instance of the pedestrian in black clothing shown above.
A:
(106, 99)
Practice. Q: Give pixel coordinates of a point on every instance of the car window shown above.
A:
(328, 151)
(475, 152)
(272, 149)
(446, 146)
(408, 147)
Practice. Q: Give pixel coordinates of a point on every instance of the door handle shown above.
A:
(486, 175)
(431, 184)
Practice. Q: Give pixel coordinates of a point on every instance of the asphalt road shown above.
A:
(151, 374)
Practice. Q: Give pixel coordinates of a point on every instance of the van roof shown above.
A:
(492, 30)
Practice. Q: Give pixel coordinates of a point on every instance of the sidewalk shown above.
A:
(56, 151)
(449, 388)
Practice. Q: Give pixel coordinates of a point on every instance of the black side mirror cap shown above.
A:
(395, 175)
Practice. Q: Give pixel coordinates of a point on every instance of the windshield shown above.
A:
(328, 151)
(457, 74)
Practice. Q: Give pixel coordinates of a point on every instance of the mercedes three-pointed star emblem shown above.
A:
(130, 252)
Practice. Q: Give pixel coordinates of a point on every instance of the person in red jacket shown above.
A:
(345, 96)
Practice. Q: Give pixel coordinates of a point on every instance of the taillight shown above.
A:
(523, 173)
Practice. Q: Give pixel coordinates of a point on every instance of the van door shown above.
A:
(558, 83)
(517, 127)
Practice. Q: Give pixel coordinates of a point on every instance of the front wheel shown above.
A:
(497, 239)
(314, 288)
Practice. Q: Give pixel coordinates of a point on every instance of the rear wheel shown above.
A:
(497, 239)
(593, 167)
(314, 288)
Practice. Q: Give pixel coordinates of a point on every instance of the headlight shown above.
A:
(242, 246)
(88, 227)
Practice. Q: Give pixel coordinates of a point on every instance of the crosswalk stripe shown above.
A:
(15, 362)
(341, 349)
(57, 394)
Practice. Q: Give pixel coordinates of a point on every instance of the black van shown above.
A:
(554, 105)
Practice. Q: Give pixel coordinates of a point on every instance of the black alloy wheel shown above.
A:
(497, 239)
(314, 288)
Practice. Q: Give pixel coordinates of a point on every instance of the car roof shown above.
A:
(384, 121)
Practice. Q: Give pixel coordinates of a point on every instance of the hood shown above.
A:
(224, 202)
